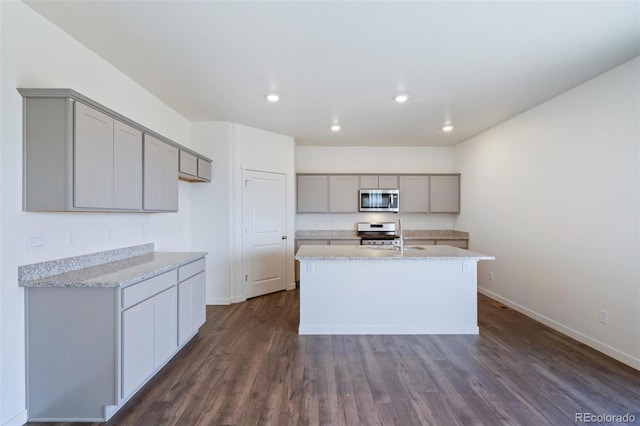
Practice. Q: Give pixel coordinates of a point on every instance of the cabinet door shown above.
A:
(414, 194)
(191, 308)
(170, 178)
(138, 327)
(445, 194)
(165, 325)
(188, 163)
(313, 194)
(160, 175)
(388, 182)
(343, 194)
(92, 158)
(353, 242)
(368, 182)
(204, 169)
(127, 167)
(419, 242)
(153, 155)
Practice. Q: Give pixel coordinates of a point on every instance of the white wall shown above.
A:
(260, 150)
(217, 206)
(35, 53)
(554, 194)
(211, 208)
(359, 159)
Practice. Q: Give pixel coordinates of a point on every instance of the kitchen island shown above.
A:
(362, 290)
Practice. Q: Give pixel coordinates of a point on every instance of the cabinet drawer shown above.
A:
(148, 288)
(191, 269)
(188, 163)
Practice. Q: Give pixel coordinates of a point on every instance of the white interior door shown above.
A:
(265, 225)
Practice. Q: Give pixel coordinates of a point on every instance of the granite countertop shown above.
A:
(408, 235)
(427, 253)
(94, 270)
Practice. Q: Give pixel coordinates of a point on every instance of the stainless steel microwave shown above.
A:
(379, 200)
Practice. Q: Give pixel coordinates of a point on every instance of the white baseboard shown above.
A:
(291, 286)
(238, 299)
(218, 301)
(18, 420)
(376, 330)
(580, 337)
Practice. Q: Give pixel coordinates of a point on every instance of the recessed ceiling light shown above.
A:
(401, 98)
(447, 128)
(273, 97)
(335, 128)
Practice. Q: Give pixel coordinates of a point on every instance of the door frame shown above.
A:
(237, 290)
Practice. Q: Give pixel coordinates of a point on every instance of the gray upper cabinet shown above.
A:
(368, 182)
(160, 175)
(127, 167)
(188, 164)
(193, 168)
(204, 169)
(313, 194)
(81, 156)
(343, 194)
(414, 194)
(379, 182)
(93, 158)
(445, 194)
(388, 182)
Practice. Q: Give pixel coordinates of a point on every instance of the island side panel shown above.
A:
(71, 350)
(388, 297)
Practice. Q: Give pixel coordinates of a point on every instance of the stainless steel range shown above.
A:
(380, 233)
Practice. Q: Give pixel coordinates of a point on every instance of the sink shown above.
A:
(389, 247)
(372, 247)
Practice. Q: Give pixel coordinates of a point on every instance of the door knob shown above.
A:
(284, 237)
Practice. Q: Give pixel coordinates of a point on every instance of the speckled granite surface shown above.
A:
(436, 235)
(427, 253)
(105, 269)
(408, 235)
(326, 235)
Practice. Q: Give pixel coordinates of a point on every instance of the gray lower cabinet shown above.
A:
(191, 300)
(90, 349)
(160, 175)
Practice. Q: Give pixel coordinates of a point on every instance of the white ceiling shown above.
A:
(474, 64)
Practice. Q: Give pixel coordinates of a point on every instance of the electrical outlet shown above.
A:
(107, 234)
(35, 242)
(70, 239)
(490, 276)
(310, 267)
(603, 316)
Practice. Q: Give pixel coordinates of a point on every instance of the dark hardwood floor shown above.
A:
(248, 366)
